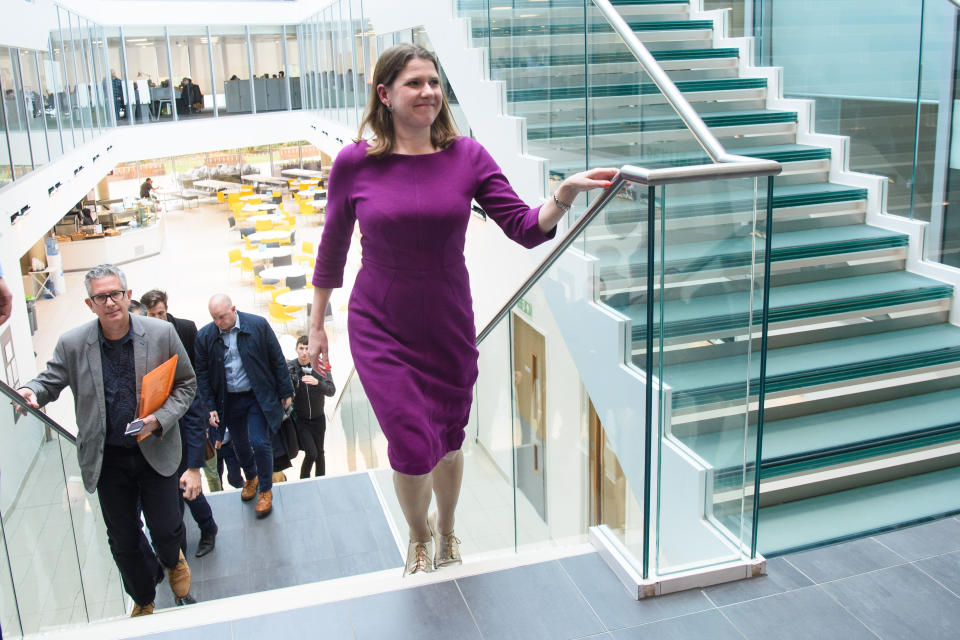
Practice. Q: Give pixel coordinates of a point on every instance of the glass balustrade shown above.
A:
(621, 389)
(56, 566)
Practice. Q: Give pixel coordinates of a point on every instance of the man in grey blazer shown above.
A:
(103, 363)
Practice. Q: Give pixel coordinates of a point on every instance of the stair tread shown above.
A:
(703, 313)
(515, 31)
(831, 430)
(738, 250)
(664, 122)
(564, 60)
(631, 89)
(792, 526)
(817, 356)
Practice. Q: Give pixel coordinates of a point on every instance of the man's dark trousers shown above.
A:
(126, 483)
(250, 436)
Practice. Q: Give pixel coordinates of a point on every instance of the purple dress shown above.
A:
(411, 321)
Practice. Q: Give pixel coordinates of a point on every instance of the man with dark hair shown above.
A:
(309, 389)
(146, 188)
(243, 382)
(103, 363)
(193, 425)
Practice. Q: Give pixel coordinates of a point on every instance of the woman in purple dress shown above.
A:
(410, 316)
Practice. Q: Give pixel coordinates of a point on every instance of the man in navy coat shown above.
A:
(243, 382)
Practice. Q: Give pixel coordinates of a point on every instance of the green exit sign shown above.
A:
(525, 307)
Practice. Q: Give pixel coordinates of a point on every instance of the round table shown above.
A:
(313, 193)
(269, 236)
(296, 298)
(251, 208)
(267, 253)
(316, 204)
(281, 273)
(248, 198)
(272, 217)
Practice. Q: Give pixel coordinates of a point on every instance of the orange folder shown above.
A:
(155, 388)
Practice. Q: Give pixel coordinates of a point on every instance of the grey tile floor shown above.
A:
(317, 531)
(903, 584)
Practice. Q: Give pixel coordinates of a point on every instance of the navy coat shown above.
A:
(263, 363)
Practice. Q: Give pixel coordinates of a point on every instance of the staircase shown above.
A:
(863, 374)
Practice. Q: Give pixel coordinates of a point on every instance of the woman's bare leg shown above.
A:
(447, 478)
(413, 493)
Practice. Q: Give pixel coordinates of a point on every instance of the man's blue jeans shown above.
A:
(251, 437)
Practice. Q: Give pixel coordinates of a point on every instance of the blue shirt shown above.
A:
(119, 387)
(237, 381)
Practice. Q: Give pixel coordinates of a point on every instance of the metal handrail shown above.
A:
(17, 399)
(687, 113)
(648, 177)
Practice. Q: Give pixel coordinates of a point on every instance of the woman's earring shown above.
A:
(389, 108)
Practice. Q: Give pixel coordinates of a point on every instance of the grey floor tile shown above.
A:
(226, 559)
(431, 612)
(537, 601)
(329, 621)
(844, 560)
(347, 493)
(272, 578)
(611, 601)
(357, 563)
(925, 540)
(706, 624)
(301, 501)
(796, 615)
(351, 533)
(945, 569)
(317, 570)
(228, 509)
(781, 576)
(310, 539)
(219, 631)
(224, 587)
(900, 602)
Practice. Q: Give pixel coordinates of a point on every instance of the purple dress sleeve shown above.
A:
(502, 204)
(340, 220)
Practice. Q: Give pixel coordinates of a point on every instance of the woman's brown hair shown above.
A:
(377, 117)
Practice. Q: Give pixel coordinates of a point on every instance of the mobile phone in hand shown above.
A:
(134, 428)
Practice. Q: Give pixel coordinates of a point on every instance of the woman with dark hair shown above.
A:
(411, 321)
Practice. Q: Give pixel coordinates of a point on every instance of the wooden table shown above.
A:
(216, 185)
(302, 173)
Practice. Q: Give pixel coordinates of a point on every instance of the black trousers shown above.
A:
(311, 432)
(127, 483)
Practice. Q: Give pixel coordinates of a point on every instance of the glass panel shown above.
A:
(36, 508)
(146, 55)
(33, 107)
(84, 90)
(708, 295)
(50, 91)
(270, 88)
(293, 71)
(100, 79)
(231, 68)
(366, 59)
(16, 117)
(191, 71)
(64, 97)
(6, 171)
(72, 86)
(122, 91)
(327, 79)
(9, 616)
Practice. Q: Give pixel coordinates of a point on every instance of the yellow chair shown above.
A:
(285, 226)
(256, 200)
(246, 190)
(275, 194)
(306, 209)
(246, 241)
(233, 197)
(263, 225)
(259, 287)
(279, 315)
(220, 197)
(307, 248)
(234, 256)
(288, 308)
(246, 265)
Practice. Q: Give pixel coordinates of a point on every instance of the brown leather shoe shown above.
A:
(249, 490)
(138, 611)
(179, 578)
(264, 504)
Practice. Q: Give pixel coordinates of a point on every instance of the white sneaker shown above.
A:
(419, 558)
(448, 547)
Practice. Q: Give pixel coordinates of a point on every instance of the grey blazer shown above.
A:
(76, 363)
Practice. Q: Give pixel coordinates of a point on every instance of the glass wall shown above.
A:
(231, 70)
(190, 58)
(270, 81)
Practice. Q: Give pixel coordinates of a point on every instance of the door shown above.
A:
(529, 375)
(608, 485)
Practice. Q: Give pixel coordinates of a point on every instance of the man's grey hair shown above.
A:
(103, 271)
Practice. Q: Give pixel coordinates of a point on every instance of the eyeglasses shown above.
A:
(101, 298)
